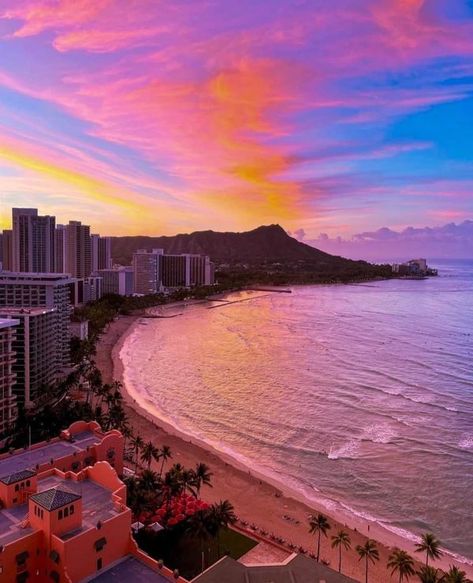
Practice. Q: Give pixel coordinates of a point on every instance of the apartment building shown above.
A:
(35, 368)
(33, 241)
(42, 290)
(7, 375)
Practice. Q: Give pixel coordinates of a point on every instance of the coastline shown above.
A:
(256, 497)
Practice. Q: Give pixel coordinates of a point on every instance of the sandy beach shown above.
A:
(256, 500)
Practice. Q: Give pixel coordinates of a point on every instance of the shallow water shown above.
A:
(359, 396)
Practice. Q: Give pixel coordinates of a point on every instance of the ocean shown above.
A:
(359, 397)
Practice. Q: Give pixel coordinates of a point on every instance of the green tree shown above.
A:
(148, 453)
(319, 525)
(203, 476)
(369, 552)
(454, 575)
(137, 443)
(402, 563)
(165, 455)
(429, 575)
(430, 545)
(341, 540)
(223, 515)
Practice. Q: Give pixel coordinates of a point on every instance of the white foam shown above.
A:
(466, 442)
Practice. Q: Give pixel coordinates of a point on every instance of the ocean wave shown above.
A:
(466, 442)
(381, 433)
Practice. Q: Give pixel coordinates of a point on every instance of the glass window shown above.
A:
(60, 515)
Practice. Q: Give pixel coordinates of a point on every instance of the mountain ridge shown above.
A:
(261, 245)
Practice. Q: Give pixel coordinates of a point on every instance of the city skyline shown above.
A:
(190, 117)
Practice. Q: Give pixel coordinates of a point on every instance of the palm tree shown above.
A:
(202, 526)
(223, 514)
(137, 443)
(149, 480)
(430, 545)
(428, 575)
(319, 524)
(401, 562)
(203, 476)
(339, 540)
(454, 575)
(165, 455)
(370, 553)
(148, 453)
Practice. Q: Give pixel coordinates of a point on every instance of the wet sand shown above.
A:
(255, 499)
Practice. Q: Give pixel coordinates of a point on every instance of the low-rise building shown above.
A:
(296, 569)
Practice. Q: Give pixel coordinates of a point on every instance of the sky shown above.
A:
(154, 117)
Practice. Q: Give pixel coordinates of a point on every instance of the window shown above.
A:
(28, 483)
(71, 510)
(60, 515)
(99, 564)
(66, 512)
(17, 487)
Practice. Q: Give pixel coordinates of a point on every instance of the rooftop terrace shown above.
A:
(28, 459)
(97, 505)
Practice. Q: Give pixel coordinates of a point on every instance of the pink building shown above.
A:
(65, 519)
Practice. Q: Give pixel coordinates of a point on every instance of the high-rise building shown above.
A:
(61, 248)
(36, 368)
(101, 249)
(186, 270)
(146, 271)
(78, 249)
(117, 281)
(33, 241)
(7, 250)
(7, 375)
(154, 271)
(42, 290)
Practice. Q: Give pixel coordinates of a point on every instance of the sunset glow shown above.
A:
(145, 117)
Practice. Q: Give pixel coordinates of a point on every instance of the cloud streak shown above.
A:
(211, 115)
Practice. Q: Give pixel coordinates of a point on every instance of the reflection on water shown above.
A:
(357, 394)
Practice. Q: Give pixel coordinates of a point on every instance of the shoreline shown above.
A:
(257, 497)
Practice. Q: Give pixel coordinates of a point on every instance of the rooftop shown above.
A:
(28, 459)
(130, 569)
(97, 502)
(18, 312)
(17, 477)
(54, 498)
(297, 569)
(36, 277)
(8, 323)
(52, 493)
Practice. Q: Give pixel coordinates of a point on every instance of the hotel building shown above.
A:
(7, 250)
(65, 517)
(60, 237)
(35, 366)
(146, 271)
(155, 271)
(101, 249)
(78, 250)
(42, 290)
(117, 281)
(32, 241)
(7, 375)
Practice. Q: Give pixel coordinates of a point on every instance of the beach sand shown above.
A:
(255, 498)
